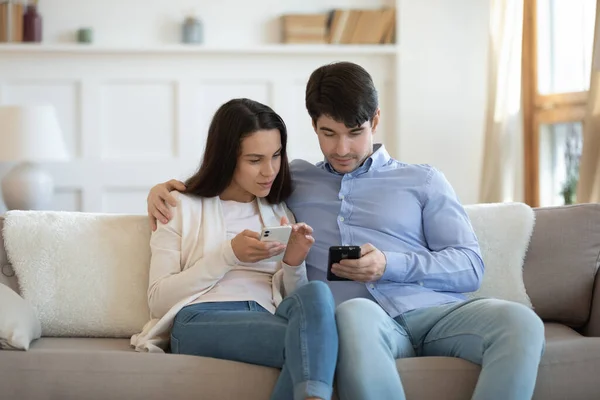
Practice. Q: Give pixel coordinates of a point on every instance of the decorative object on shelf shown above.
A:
(29, 134)
(192, 30)
(573, 147)
(85, 35)
(11, 21)
(32, 24)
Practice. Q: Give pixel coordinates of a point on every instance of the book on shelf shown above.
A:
(11, 21)
(305, 28)
(342, 26)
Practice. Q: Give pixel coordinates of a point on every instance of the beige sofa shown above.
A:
(560, 277)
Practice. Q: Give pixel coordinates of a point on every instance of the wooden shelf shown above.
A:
(274, 49)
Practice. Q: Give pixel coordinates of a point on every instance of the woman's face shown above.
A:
(257, 166)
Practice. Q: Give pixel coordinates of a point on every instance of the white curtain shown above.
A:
(588, 188)
(502, 175)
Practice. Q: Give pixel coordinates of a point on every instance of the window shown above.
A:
(557, 58)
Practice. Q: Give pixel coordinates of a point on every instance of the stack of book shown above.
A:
(11, 21)
(305, 28)
(342, 26)
(363, 26)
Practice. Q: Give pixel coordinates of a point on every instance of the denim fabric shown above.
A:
(505, 338)
(301, 338)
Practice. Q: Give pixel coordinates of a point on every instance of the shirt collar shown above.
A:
(378, 159)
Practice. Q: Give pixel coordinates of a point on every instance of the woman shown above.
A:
(212, 290)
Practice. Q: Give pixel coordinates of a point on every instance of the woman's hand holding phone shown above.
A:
(248, 248)
(301, 240)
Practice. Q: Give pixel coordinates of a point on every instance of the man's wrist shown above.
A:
(396, 266)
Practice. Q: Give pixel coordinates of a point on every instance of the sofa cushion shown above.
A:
(19, 325)
(503, 231)
(85, 274)
(96, 369)
(103, 368)
(561, 262)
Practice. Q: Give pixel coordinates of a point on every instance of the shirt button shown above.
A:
(342, 219)
(420, 283)
(342, 197)
(372, 286)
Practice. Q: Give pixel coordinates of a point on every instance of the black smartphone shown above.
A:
(338, 253)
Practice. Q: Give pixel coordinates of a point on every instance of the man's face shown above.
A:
(345, 148)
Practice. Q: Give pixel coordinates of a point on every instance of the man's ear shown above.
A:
(375, 121)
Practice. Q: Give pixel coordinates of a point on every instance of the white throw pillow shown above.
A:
(19, 325)
(504, 231)
(86, 274)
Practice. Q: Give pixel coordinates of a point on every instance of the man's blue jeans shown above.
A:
(505, 338)
(301, 338)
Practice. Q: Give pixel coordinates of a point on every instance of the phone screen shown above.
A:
(338, 253)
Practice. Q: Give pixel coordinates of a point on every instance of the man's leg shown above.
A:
(370, 343)
(505, 338)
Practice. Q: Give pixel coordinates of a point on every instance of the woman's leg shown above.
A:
(301, 338)
(311, 342)
(238, 331)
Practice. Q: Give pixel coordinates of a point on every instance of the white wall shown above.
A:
(442, 88)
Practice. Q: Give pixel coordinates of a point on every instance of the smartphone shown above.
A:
(279, 234)
(338, 253)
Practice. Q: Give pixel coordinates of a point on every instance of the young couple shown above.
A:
(214, 291)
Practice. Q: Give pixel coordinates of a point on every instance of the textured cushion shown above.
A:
(561, 262)
(85, 274)
(18, 323)
(7, 274)
(503, 231)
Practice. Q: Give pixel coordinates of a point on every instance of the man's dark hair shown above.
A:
(343, 91)
(233, 121)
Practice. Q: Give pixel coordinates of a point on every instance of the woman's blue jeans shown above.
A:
(301, 338)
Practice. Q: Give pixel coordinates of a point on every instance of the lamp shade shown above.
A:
(31, 133)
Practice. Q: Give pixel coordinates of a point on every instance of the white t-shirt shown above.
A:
(246, 281)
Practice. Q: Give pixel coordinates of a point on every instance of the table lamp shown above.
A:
(29, 135)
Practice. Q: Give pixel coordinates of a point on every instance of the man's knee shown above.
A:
(360, 314)
(523, 325)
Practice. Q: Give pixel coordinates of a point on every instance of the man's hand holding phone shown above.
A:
(368, 268)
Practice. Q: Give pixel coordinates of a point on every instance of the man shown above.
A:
(419, 254)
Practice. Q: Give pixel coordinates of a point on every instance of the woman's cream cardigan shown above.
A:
(190, 254)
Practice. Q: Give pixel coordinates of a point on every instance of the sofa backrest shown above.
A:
(561, 262)
(559, 270)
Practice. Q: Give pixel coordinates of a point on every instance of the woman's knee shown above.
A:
(316, 291)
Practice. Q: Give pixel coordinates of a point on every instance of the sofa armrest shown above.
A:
(592, 328)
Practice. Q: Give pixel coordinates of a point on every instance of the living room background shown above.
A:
(134, 104)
